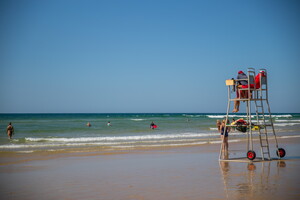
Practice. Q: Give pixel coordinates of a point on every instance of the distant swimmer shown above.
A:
(152, 125)
(108, 123)
(10, 130)
(88, 124)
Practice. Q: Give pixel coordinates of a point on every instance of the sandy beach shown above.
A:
(183, 173)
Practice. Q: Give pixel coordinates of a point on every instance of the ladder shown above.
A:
(262, 130)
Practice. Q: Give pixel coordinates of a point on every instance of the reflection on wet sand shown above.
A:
(253, 180)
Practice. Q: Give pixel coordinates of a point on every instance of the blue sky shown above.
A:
(144, 56)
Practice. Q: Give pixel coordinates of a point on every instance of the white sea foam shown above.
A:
(244, 116)
(286, 124)
(234, 141)
(25, 151)
(137, 120)
(19, 146)
(185, 115)
(216, 116)
(287, 120)
(290, 136)
(215, 142)
(224, 116)
(110, 141)
(118, 138)
(159, 145)
(287, 116)
(219, 141)
(113, 145)
(261, 121)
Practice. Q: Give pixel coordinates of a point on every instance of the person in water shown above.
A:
(10, 130)
(152, 125)
(108, 123)
(224, 130)
(88, 124)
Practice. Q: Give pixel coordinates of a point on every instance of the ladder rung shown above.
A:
(265, 146)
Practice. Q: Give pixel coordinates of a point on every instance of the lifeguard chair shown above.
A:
(258, 119)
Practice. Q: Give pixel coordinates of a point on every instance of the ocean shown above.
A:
(58, 132)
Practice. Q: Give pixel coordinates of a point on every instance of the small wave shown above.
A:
(186, 115)
(287, 120)
(224, 116)
(158, 145)
(118, 138)
(213, 129)
(215, 142)
(291, 136)
(286, 124)
(234, 140)
(216, 116)
(25, 151)
(244, 116)
(137, 120)
(219, 141)
(22, 146)
(283, 116)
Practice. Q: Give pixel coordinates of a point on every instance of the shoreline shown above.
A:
(11, 157)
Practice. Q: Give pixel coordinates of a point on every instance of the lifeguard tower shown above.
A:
(258, 119)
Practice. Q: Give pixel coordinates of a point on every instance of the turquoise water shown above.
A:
(50, 132)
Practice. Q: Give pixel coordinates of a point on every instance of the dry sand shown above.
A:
(185, 173)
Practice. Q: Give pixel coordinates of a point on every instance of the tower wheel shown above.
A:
(251, 155)
(280, 152)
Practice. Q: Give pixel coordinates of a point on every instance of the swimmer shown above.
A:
(10, 130)
(152, 125)
(88, 124)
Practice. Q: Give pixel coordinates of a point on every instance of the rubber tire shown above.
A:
(251, 155)
(280, 152)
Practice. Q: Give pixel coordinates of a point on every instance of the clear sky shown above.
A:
(104, 56)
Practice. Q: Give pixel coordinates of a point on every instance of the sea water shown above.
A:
(56, 132)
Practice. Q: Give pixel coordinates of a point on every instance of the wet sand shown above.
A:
(184, 173)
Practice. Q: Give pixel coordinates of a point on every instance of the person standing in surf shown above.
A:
(224, 130)
(10, 130)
